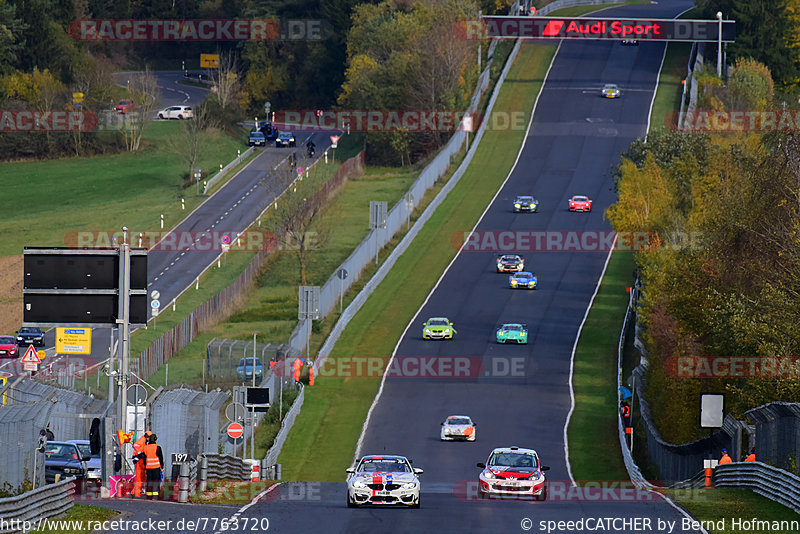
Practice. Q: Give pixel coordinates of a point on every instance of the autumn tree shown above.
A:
(143, 89)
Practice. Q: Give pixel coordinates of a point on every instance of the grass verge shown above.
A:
(667, 103)
(579, 11)
(322, 441)
(104, 193)
(593, 427)
(718, 508)
(83, 515)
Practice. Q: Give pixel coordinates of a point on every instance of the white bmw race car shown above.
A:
(513, 473)
(383, 480)
(458, 427)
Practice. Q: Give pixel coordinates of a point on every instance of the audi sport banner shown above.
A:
(596, 28)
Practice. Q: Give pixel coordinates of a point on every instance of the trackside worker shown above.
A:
(751, 457)
(725, 458)
(154, 463)
(139, 479)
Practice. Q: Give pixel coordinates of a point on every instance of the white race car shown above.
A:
(383, 480)
(512, 472)
(458, 427)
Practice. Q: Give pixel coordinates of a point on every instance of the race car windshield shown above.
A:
(524, 276)
(437, 322)
(458, 421)
(384, 466)
(512, 459)
(526, 199)
(510, 258)
(514, 327)
(580, 199)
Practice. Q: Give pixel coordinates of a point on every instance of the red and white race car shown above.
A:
(515, 473)
(580, 203)
(383, 480)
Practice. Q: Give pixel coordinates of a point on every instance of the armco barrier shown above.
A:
(52, 500)
(286, 426)
(773, 483)
(210, 183)
(223, 467)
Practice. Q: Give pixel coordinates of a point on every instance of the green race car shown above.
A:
(438, 328)
(512, 332)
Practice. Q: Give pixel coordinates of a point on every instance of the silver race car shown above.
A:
(383, 480)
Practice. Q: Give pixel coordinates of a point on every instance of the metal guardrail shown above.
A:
(773, 483)
(224, 467)
(630, 464)
(286, 426)
(696, 482)
(48, 501)
(210, 183)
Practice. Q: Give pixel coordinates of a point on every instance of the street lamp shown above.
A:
(719, 45)
(198, 173)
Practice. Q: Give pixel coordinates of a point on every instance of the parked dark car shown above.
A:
(30, 335)
(93, 467)
(63, 460)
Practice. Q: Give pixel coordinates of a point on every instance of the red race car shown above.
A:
(8, 347)
(580, 203)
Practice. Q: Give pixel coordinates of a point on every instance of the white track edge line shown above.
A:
(499, 189)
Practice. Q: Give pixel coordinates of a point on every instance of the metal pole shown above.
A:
(124, 332)
(308, 339)
(376, 246)
(112, 385)
(719, 45)
(253, 410)
(341, 294)
(633, 403)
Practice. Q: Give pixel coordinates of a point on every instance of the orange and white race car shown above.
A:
(458, 427)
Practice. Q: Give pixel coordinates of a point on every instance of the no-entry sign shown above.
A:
(235, 430)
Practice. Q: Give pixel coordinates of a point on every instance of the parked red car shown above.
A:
(124, 106)
(580, 203)
(8, 347)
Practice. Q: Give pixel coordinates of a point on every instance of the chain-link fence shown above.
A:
(72, 412)
(21, 420)
(224, 355)
(186, 421)
(777, 434)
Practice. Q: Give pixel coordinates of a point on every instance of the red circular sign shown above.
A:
(235, 430)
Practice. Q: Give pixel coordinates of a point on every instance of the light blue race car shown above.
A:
(523, 280)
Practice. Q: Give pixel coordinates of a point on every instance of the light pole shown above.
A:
(719, 45)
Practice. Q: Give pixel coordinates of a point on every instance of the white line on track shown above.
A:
(499, 189)
(254, 500)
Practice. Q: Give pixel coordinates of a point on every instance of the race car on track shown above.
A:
(383, 480)
(525, 204)
(513, 472)
(580, 203)
(523, 280)
(458, 427)
(510, 263)
(438, 328)
(512, 332)
(610, 90)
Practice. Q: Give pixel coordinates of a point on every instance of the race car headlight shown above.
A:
(427, 331)
(501, 333)
(523, 334)
(516, 205)
(409, 485)
(513, 282)
(499, 265)
(488, 474)
(446, 331)
(358, 484)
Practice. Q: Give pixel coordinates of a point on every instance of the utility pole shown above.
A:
(123, 325)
